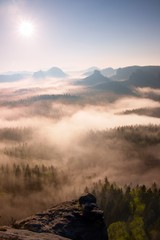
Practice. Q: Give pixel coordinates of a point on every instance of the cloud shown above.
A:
(148, 90)
(129, 103)
(81, 138)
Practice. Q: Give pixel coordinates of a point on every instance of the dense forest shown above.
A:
(131, 212)
(23, 187)
(35, 169)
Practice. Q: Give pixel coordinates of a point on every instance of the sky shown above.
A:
(77, 34)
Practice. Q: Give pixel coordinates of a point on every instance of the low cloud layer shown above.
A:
(64, 125)
(81, 137)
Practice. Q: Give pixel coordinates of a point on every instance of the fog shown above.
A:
(78, 133)
(148, 90)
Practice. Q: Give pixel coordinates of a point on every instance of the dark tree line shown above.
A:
(26, 179)
(131, 212)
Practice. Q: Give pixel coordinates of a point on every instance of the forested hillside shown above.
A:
(131, 212)
(126, 155)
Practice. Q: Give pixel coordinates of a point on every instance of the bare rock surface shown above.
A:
(8, 233)
(77, 220)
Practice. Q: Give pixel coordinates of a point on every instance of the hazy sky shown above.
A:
(76, 34)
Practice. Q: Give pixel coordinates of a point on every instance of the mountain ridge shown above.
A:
(52, 72)
(95, 78)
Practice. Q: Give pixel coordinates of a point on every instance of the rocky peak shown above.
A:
(97, 72)
(78, 219)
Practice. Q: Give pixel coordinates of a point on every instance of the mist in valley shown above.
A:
(58, 138)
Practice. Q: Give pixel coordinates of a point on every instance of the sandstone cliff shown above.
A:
(77, 220)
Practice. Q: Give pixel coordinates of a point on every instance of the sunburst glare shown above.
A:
(26, 28)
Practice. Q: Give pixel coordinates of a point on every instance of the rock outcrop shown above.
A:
(7, 233)
(77, 220)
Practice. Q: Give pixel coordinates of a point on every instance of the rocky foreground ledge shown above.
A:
(75, 220)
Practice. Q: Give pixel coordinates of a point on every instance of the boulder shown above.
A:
(87, 198)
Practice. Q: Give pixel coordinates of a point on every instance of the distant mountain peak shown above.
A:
(92, 68)
(52, 72)
(90, 71)
(55, 69)
(108, 72)
(95, 78)
(97, 72)
(56, 72)
(39, 74)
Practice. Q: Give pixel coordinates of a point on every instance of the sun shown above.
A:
(26, 28)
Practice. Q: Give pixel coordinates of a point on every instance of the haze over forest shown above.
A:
(60, 134)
